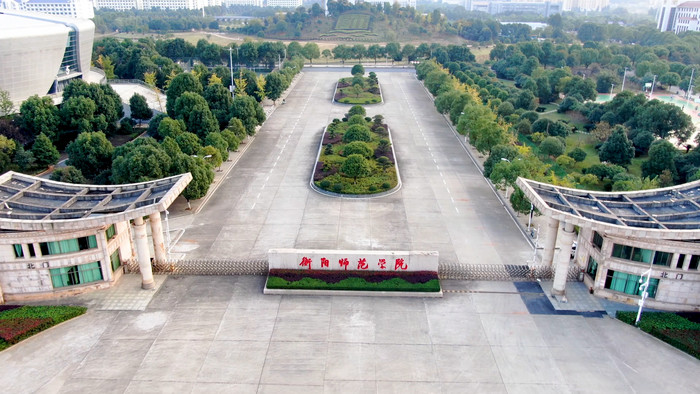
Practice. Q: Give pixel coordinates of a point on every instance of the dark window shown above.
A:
(663, 258)
(18, 250)
(592, 267)
(597, 240)
(681, 259)
(629, 283)
(694, 262)
(32, 252)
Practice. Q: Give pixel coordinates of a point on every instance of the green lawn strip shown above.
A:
(20, 323)
(357, 284)
(675, 330)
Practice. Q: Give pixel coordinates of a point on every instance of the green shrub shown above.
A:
(357, 147)
(386, 185)
(325, 184)
(338, 187)
(372, 188)
(394, 284)
(675, 330)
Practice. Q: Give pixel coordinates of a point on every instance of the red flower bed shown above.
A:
(319, 173)
(329, 276)
(13, 330)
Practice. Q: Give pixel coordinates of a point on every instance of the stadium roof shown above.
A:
(672, 212)
(29, 203)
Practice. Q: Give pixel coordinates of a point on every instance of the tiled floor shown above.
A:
(127, 295)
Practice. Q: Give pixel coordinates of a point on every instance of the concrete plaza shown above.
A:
(222, 335)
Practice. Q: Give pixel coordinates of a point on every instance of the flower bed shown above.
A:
(417, 281)
(675, 330)
(358, 90)
(376, 171)
(20, 322)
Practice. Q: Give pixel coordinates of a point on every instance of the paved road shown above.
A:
(444, 204)
(222, 335)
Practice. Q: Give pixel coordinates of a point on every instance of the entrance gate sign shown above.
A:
(353, 260)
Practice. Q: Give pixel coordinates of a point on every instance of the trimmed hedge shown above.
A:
(419, 281)
(675, 330)
(20, 322)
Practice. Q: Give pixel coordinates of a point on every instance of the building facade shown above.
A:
(623, 238)
(60, 239)
(82, 9)
(544, 8)
(679, 18)
(41, 53)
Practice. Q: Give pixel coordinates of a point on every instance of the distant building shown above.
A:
(544, 8)
(254, 3)
(40, 54)
(585, 5)
(679, 18)
(283, 3)
(402, 3)
(68, 8)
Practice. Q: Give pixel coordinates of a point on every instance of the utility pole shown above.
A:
(624, 75)
(612, 87)
(652, 87)
(230, 62)
(690, 85)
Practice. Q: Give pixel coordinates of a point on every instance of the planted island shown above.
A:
(356, 156)
(358, 89)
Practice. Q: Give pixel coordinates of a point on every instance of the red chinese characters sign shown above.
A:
(353, 260)
(362, 263)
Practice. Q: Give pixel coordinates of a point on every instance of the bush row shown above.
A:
(20, 322)
(675, 330)
(335, 276)
(358, 284)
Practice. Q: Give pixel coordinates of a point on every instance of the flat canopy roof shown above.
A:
(29, 203)
(672, 212)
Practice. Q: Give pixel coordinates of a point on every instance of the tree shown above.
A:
(359, 148)
(274, 85)
(68, 174)
(139, 108)
(357, 133)
(311, 51)
(248, 110)
(219, 100)
(23, 158)
(356, 166)
(236, 127)
(578, 155)
(661, 157)
(219, 142)
(189, 143)
(605, 81)
(326, 53)
(357, 69)
(141, 163)
(231, 139)
(602, 131)
(170, 127)
(194, 111)
(78, 113)
(211, 155)
(184, 82)
(91, 153)
(44, 152)
(617, 149)
(6, 105)
(201, 172)
(552, 146)
(663, 120)
(39, 115)
(356, 110)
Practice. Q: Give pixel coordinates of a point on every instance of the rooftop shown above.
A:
(668, 209)
(32, 203)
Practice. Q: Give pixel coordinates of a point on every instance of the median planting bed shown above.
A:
(356, 156)
(20, 322)
(424, 281)
(358, 89)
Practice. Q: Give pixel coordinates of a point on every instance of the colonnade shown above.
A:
(565, 232)
(143, 253)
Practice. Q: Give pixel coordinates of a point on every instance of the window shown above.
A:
(694, 262)
(76, 275)
(597, 240)
(115, 260)
(592, 267)
(68, 245)
(628, 283)
(663, 258)
(18, 251)
(681, 260)
(32, 252)
(110, 232)
(632, 253)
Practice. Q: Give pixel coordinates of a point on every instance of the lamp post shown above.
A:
(167, 235)
(624, 75)
(644, 288)
(230, 62)
(506, 185)
(652, 88)
(612, 88)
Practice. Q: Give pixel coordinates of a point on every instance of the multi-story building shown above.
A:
(283, 3)
(402, 3)
(40, 53)
(679, 17)
(544, 8)
(68, 8)
(585, 5)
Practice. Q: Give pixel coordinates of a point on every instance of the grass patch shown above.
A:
(346, 93)
(421, 281)
(22, 322)
(353, 21)
(675, 330)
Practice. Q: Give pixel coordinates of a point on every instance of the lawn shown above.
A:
(353, 21)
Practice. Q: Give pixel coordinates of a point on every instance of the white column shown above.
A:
(567, 237)
(143, 254)
(550, 241)
(157, 234)
(2, 298)
(686, 262)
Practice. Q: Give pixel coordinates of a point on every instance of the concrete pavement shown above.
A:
(221, 334)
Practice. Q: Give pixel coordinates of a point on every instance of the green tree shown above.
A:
(617, 149)
(184, 82)
(311, 51)
(357, 69)
(605, 81)
(219, 100)
(661, 157)
(78, 113)
(6, 105)
(219, 142)
(274, 85)
(169, 127)
(578, 155)
(211, 155)
(189, 143)
(356, 166)
(356, 110)
(139, 108)
(552, 146)
(23, 158)
(194, 111)
(68, 174)
(249, 111)
(202, 175)
(236, 127)
(357, 148)
(91, 153)
(39, 115)
(141, 163)
(231, 140)
(44, 151)
(357, 133)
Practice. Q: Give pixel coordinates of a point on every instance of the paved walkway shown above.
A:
(222, 335)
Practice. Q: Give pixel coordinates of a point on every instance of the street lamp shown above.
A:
(652, 88)
(230, 62)
(644, 288)
(624, 75)
(612, 88)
